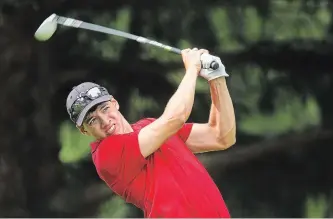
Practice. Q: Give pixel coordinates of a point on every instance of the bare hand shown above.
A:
(191, 58)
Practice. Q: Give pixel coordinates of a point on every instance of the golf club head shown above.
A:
(47, 28)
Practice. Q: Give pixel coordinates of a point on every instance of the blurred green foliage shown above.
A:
(74, 145)
(114, 208)
(316, 207)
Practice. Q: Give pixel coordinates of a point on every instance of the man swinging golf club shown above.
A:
(152, 163)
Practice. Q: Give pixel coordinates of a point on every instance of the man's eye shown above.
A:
(91, 121)
(105, 109)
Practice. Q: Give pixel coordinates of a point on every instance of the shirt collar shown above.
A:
(95, 144)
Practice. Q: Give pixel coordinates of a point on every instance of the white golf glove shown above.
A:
(208, 73)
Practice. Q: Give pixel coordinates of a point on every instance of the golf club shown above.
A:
(49, 26)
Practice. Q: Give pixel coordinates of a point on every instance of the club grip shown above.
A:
(214, 65)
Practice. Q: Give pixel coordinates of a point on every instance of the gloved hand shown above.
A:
(208, 73)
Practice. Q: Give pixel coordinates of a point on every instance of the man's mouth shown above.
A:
(111, 129)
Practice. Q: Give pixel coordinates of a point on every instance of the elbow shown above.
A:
(230, 142)
(176, 117)
(227, 140)
(174, 121)
(225, 143)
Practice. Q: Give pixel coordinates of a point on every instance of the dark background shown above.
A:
(278, 55)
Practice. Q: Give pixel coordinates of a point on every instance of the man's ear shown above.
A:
(82, 130)
(115, 103)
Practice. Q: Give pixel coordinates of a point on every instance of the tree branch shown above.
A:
(309, 57)
(241, 154)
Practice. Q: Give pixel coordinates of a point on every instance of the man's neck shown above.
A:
(127, 127)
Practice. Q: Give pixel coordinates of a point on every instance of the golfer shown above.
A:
(152, 163)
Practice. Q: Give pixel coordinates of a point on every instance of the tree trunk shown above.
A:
(30, 171)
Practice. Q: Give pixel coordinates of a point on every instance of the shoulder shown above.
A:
(118, 157)
(113, 150)
(109, 150)
(145, 121)
(142, 123)
(112, 146)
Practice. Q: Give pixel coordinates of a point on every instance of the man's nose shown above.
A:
(105, 121)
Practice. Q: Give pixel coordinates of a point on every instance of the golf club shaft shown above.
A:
(84, 25)
(88, 26)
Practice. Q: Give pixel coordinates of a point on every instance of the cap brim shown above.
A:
(83, 113)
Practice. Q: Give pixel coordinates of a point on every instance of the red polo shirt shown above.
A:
(169, 183)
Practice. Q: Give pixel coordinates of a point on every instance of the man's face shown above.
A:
(105, 120)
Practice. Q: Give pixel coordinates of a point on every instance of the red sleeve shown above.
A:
(185, 131)
(118, 158)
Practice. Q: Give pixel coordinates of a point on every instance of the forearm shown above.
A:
(177, 111)
(181, 103)
(222, 117)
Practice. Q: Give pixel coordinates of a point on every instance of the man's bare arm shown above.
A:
(220, 131)
(222, 116)
(175, 114)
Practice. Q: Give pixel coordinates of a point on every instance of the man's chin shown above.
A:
(108, 134)
(101, 137)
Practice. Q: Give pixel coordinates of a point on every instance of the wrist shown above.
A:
(218, 83)
(219, 80)
(192, 69)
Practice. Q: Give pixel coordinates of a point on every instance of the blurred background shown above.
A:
(277, 53)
